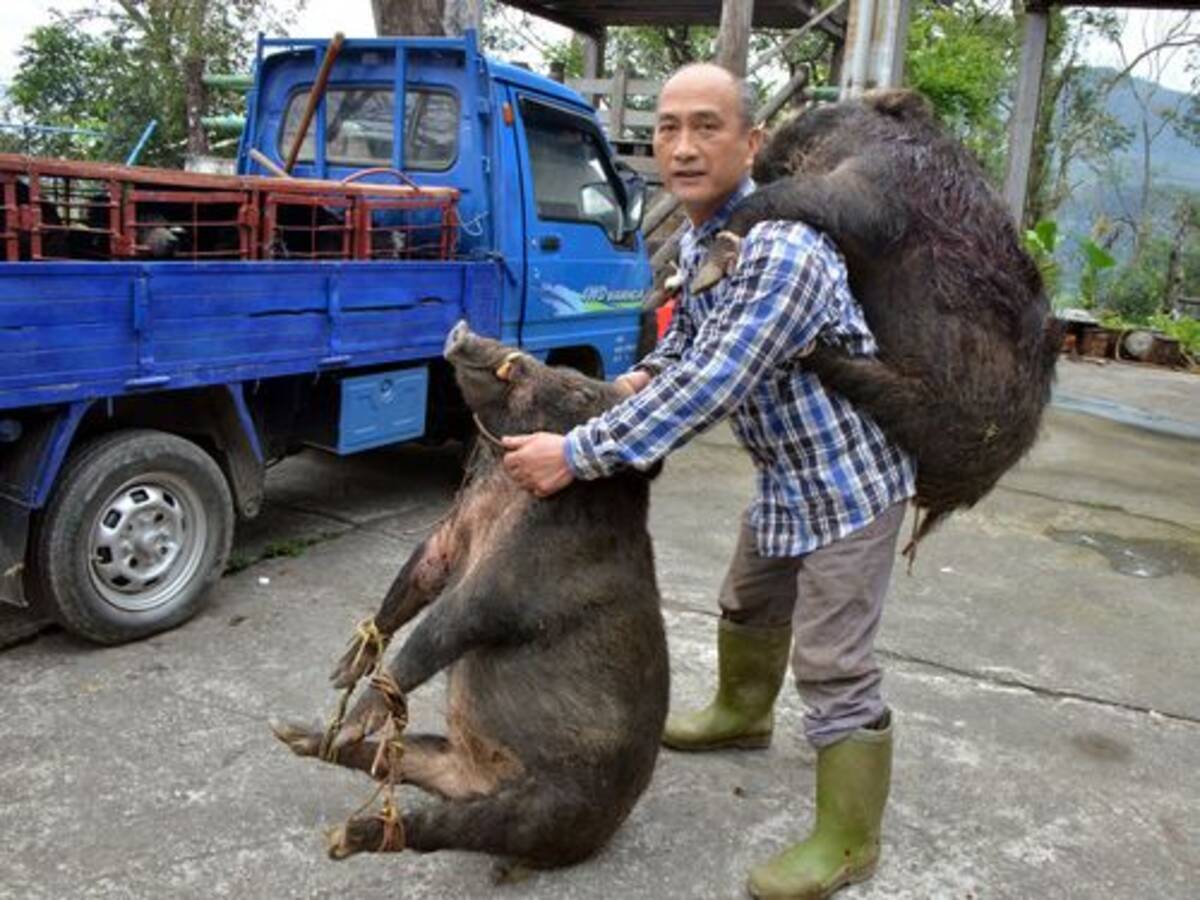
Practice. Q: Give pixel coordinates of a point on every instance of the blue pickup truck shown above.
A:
(151, 368)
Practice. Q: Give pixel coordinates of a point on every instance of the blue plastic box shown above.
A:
(382, 408)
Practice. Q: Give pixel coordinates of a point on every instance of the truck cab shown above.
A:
(540, 192)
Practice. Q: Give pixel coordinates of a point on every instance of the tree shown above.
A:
(962, 56)
(125, 62)
(408, 16)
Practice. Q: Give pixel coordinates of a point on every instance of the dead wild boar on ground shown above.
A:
(547, 614)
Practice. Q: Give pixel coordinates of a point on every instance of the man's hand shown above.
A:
(538, 462)
(632, 382)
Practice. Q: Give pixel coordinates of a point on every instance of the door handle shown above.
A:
(550, 242)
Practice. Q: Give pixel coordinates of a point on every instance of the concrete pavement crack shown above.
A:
(1040, 690)
(1100, 507)
(975, 675)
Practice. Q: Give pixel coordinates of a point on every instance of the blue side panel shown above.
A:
(71, 331)
(382, 409)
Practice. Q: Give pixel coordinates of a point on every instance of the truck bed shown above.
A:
(71, 331)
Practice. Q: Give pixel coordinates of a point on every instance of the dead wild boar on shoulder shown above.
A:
(546, 613)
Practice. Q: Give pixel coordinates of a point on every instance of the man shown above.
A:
(817, 544)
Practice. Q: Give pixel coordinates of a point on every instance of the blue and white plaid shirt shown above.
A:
(825, 470)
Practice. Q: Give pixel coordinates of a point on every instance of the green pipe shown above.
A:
(225, 124)
(233, 81)
(824, 93)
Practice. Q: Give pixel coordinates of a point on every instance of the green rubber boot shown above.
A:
(751, 663)
(853, 777)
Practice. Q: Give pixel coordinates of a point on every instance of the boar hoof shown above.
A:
(365, 834)
(721, 261)
(366, 647)
(338, 843)
(303, 740)
(368, 716)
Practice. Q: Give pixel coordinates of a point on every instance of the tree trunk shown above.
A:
(413, 17)
(461, 15)
(733, 38)
(196, 100)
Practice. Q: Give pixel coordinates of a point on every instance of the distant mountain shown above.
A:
(1174, 159)
(1174, 164)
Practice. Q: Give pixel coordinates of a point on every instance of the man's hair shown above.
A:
(746, 95)
(748, 101)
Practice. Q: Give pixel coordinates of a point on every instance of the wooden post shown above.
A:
(593, 59)
(616, 118)
(1023, 123)
(733, 40)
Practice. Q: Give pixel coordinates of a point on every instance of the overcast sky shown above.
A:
(323, 17)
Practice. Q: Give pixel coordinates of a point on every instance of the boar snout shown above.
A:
(456, 338)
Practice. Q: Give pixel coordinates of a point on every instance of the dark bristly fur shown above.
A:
(546, 613)
(967, 343)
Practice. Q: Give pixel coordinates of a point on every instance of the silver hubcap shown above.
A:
(147, 541)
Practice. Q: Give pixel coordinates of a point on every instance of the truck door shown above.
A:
(586, 274)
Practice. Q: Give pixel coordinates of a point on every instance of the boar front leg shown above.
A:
(462, 620)
(845, 204)
(421, 580)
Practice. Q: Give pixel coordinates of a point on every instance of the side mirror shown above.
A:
(635, 197)
(597, 204)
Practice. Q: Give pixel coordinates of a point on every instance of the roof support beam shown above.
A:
(555, 15)
(1023, 123)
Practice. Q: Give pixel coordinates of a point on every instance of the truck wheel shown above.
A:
(138, 526)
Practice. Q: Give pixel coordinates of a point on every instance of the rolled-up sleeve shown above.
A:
(774, 305)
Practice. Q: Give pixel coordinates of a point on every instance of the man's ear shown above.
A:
(756, 143)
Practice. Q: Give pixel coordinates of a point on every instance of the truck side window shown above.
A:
(572, 177)
(359, 122)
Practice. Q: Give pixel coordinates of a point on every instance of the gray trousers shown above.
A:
(833, 599)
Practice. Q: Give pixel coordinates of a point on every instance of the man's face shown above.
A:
(702, 146)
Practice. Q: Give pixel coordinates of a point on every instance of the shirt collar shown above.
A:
(719, 219)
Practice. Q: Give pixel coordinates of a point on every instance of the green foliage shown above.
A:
(122, 63)
(1185, 330)
(1096, 260)
(1139, 288)
(1041, 241)
(66, 79)
(962, 57)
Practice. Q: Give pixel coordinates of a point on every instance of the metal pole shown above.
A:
(132, 158)
(860, 25)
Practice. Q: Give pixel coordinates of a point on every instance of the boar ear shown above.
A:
(513, 367)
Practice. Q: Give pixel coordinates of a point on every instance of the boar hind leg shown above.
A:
(420, 581)
(525, 821)
(423, 753)
(879, 390)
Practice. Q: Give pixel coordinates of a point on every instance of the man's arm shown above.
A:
(779, 299)
(673, 344)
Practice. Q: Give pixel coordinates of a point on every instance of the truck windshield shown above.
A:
(359, 127)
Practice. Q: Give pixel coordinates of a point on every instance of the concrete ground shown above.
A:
(1042, 660)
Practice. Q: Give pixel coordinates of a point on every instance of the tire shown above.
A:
(139, 524)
